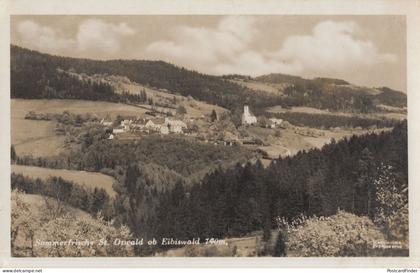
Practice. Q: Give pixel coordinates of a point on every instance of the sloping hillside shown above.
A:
(151, 97)
(35, 75)
(317, 88)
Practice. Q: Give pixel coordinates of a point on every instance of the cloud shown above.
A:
(94, 36)
(42, 37)
(200, 47)
(331, 47)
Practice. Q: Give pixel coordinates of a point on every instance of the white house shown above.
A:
(164, 130)
(106, 122)
(118, 130)
(157, 126)
(247, 117)
(150, 125)
(275, 122)
(111, 136)
(175, 126)
(137, 126)
(126, 124)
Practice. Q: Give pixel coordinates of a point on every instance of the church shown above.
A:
(247, 117)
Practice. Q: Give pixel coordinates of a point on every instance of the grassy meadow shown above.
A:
(38, 138)
(88, 179)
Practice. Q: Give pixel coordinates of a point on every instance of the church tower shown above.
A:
(247, 117)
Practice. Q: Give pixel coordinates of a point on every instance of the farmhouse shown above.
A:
(105, 122)
(150, 125)
(118, 130)
(175, 126)
(164, 130)
(126, 124)
(247, 117)
(275, 122)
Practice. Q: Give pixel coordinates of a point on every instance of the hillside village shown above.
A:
(161, 126)
(271, 137)
(184, 126)
(176, 144)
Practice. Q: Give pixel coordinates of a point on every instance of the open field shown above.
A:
(260, 86)
(35, 138)
(38, 138)
(399, 116)
(290, 141)
(304, 109)
(88, 179)
(22, 106)
(195, 108)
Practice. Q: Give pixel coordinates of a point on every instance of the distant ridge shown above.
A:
(35, 75)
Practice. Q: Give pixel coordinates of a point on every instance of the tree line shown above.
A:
(35, 77)
(90, 200)
(331, 121)
(334, 94)
(190, 159)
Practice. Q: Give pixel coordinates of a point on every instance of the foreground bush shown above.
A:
(391, 213)
(37, 223)
(343, 234)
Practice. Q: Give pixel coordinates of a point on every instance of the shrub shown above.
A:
(391, 212)
(67, 226)
(280, 247)
(343, 234)
(181, 110)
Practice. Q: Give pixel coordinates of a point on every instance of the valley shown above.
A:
(160, 150)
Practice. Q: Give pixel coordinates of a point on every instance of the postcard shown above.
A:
(277, 134)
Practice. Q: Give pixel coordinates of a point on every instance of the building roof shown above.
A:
(175, 122)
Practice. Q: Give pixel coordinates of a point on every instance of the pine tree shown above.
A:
(267, 230)
(366, 173)
(181, 110)
(280, 247)
(213, 116)
(13, 155)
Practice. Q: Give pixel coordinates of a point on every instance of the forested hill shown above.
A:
(340, 176)
(35, 75)
(324, 87)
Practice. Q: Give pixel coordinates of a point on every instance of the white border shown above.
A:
(409, 8)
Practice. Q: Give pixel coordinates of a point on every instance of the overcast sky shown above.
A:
(365, 50)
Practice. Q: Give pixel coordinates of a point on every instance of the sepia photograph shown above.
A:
(208, 136)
